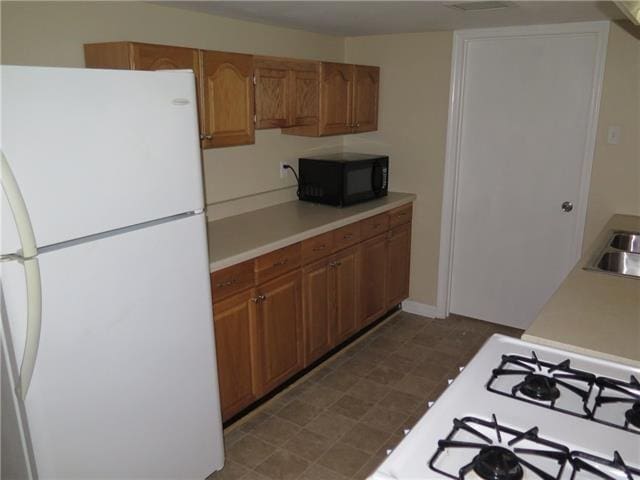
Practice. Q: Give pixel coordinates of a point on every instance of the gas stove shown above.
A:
(521, 411)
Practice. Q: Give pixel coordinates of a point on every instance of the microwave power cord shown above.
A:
(286, 166)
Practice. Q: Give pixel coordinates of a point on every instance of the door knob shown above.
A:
(567, 206)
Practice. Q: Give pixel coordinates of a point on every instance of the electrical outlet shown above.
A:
(283, 171)
(613, 136)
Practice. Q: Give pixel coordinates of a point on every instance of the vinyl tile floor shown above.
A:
(338, 421)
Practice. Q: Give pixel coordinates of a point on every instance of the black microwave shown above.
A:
(343, 179)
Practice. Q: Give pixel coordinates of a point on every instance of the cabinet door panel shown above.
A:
(398, 264)
(232, 322)
(163, 57)
(304, 98)
(227, 80)
(336, 92)
(279, 331)
(373, 278)
(365, 103)
(272, 96)
(345, 282)
(316, 310)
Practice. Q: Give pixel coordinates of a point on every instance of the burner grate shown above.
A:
(587, 465)
(496, 452)
(557, 386)
(617, 403)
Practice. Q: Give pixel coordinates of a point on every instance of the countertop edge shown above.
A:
(270, 247)
(577, 349)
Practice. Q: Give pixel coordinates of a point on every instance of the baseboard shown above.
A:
(421, 309)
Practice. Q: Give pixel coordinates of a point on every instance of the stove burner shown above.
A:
(633, 414)
(556, 386)
(539, 387)
(497, 463)
(497, 452)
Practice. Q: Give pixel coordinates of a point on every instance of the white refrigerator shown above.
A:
(108, 352)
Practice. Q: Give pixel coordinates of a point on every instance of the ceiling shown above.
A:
(355, 18)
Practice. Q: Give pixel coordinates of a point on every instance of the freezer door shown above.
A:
(95, 150)
(125, 382)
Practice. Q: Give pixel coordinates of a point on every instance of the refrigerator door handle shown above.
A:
(31, 271)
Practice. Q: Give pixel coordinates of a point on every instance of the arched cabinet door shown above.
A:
(336, 98)
(365, 98)
(227, 92)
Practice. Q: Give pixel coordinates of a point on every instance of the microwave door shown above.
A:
(358, 184)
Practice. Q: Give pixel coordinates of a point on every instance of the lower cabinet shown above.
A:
(287, 317)
(233, 324)
(398, 263)
(279, 352)
(373, 278)
(344, 291)
(317, 310)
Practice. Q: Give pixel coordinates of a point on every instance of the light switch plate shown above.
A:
(613, 136)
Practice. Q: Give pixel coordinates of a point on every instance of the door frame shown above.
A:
(461, 40)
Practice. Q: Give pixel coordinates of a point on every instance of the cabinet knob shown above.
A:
(228, 283)
(348, 236)
(281, 262)
(319, 248)
(259, 299)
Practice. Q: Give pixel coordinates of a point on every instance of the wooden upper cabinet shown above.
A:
(336, 98)
(365, 98)
(286, 93)
(232, 322)
(398, 264)
(227, 97)
(279, 352)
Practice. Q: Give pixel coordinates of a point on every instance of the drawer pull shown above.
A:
(348, 236)
(228, 283)
(281, 262)
(319, 248)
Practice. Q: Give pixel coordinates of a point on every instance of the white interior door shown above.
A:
(528, 103)
(125, 382)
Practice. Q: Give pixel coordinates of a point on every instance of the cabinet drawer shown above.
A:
(276, 263)
(317, 247)
(346, 236)
(370, 227)
(400, 215)
(231, 280)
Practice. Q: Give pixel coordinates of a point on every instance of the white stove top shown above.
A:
(558, 400)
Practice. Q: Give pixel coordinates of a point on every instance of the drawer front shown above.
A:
(346, 236)
(317, 247)
(370, 227)
(400, 215)
(276, 263)
(232, 280)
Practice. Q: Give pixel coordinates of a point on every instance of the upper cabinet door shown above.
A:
(305, 95)
(227, 92)
(365, 100)
(272, 94)
(336, 94)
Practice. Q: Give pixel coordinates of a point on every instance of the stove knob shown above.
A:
(450, 381)
(461, 368)
(430, 404)
(406, 431)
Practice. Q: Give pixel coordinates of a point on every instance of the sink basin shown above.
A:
(622, 263)
(627, 241)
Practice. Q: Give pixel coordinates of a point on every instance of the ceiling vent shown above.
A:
(476, 6)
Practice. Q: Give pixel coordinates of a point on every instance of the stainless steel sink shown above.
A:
(620, 255)
(627, 241)
(622, 263)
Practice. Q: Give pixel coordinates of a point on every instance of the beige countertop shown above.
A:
(242, 237)
(592, 312)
